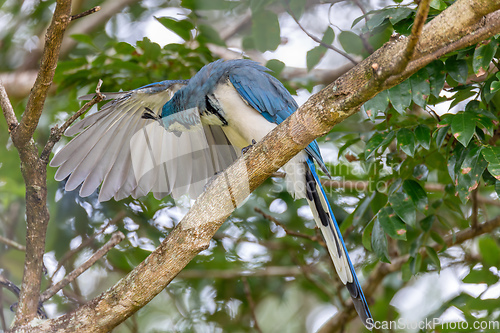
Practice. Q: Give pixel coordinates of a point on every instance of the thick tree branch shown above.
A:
(230, 188)
(34, 170)
(53, 39)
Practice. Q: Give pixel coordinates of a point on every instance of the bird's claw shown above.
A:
(247, 148)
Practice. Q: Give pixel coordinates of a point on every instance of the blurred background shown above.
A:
(265, 270)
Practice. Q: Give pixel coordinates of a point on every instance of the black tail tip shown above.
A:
(360, 304)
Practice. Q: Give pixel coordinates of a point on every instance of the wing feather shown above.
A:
(133, 156)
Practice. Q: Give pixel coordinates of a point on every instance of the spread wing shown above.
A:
(133, 156)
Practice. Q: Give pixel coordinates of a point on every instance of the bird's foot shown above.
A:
(247, 148)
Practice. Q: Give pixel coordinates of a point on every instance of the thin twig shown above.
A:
(320, 42)
(7, 284)
(306, 271)
(8, 110)
(50, 56)
(416, 31)
(11, 243)
(248, 294)
(116, 238)
(85, 13)
(236, 273)
(492, 24)
(287, 231)
(56, 132)
(87, 241)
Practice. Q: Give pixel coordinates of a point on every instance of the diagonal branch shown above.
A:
(56, 132)
(34, 171)
(116, 238)
(320, 42)
(11, 243)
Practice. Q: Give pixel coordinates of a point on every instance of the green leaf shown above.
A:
(440, 134)
(351, 43)
(492, 155)
(416, 264)
(404, 207)
(297, 7)
(208, 5)
(437, 76)
(462, 95)
(377, 141)
(438, 239)
(379, 242)
(470, 172)
(377, 104)
(457, 69)
(481, 276)
(438, 5)
(490, 251)
(423, 135)
(463, 126)
(265, 30)
(124, 48)
(392, 224)
(207, 35)
(406, 272)
(406, 141)
(347, 144)
(416, 193)
(400, 96)
(483, 56)
(426, 223)
(399, 13)
(420, 172)
(494, 87)
(315, 55)
(83, 38)
(420, 87)
(377, 19)
(367, 236)
(276, 66)
(434, 257)
(181, 27)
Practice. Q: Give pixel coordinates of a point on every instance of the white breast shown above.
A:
(244, 122)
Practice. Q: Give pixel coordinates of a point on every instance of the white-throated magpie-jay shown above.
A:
(203, 125)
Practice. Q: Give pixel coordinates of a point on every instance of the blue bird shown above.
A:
(202, 125)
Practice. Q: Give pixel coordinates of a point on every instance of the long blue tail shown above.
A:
(325, 220)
